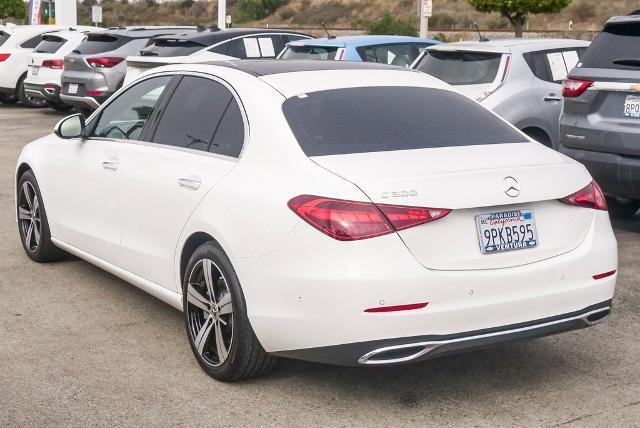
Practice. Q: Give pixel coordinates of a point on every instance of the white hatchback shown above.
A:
(339, 212)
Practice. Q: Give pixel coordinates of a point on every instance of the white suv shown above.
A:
(16, 45)
(43, 81)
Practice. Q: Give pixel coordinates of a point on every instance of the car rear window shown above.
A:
(617, 46)
(461, 68)
(50, 44)
(379, 119)
(167, 48)
(310, 52)
(98, 43)
(4, 37)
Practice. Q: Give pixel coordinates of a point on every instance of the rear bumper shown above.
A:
(618, 175)
(409, 349)
(87, 102)
(49, 91)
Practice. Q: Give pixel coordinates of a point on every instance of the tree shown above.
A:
(395, 26)
(516, 11)
(13, 9)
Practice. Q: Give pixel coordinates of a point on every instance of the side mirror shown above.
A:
(70, 127)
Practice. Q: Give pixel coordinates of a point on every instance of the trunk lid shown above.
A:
(469, 180)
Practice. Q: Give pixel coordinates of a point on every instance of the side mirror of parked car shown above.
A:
(70, 127)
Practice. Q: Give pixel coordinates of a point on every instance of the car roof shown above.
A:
(145, 32)
(260, 68)
(355, 41)
(510, 45)
(622, 20)
(293, 77)
(211, 36)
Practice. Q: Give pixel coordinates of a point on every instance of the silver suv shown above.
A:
(519, 79)
(600, 123)
(96, 68)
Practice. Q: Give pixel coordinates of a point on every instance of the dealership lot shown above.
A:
(79, 346)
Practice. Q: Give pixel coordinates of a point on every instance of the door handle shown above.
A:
(552, 97)
(111, 165)
(189, 183)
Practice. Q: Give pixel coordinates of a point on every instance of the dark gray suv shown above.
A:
(600, 122)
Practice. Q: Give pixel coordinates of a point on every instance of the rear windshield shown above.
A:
(618, 46)
(171, 48)
(50, 44)
(461, 68)
(4, 37)
(310, 52)
(380, 119)
(98, 43)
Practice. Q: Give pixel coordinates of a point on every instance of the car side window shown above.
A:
(201, 115)
(553, 66)
(126, 116)
(267, 46)
(32, 42)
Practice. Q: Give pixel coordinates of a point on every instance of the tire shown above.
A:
(26, 100)
(622, 208)
(60, 107)
(539, 135)
(245, 357)
(34, 229)
(8, 100)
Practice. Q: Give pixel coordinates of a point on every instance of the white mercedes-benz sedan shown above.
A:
(345, 213)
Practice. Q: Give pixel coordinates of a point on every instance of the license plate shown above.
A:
(35, 71)
(632, 106)
(506, 231)
(73, 88)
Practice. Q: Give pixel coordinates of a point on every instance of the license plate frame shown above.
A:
(503, 223)
(73, 88)
(631, 107)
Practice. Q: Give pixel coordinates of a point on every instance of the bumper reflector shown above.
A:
(604, 275)
(397, 308)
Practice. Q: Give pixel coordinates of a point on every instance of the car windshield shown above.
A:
(310, 52)
(618, 46)
(4, 37)
(377, 119)
(461, 68)
(98, 43)
(50, 44)
(167, 48)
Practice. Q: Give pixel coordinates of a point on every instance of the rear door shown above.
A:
(199, 135)
(606, 117)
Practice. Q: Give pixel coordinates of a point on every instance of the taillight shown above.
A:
(57, 64)
(589, 197)
(3, 57)
(574, 87)
(351, 220)
(104, 62)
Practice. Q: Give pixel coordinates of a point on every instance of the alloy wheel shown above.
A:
(29, 217)
(210, 312)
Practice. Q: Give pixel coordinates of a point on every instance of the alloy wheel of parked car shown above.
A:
(33, 224)
(210, 312)
(29, 217)
(215, 314)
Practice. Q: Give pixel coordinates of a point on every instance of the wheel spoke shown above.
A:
(224, 305)
(206, 268)
(36, 206)
(36, 233)
(27, 195)
(195, 298)
(220, 346)
(27, 236)
(24, 214)
(203, 335)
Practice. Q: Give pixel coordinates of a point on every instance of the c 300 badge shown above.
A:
(400, 194)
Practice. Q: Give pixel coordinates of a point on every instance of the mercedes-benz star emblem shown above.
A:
(511, 187)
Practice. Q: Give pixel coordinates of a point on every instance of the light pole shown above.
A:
(222, 13)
